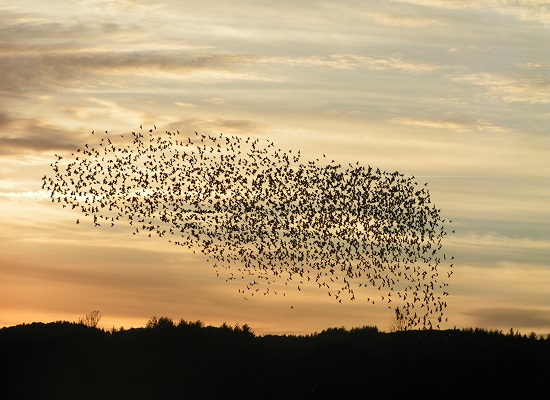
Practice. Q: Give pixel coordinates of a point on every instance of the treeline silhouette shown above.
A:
(188, 360)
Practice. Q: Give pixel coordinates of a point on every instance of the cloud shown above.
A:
(93, 107)
(529, 90)
(505, 252)
(39, 70)
(125, 5)
(504, 296)
(527, 10)
(28, 196)
(402, 20)
(478, 125)
(431, 124)
(533, 65)
(19, 135)
(34, 135)
(354, 61)
(77, 271)
(42, 55)
(492, 241)
(217, 125)
(32, 31)
(484, 125)
(511, 317)
(183, 104)
(218, 101)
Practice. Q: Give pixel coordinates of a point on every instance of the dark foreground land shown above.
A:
(64, 360)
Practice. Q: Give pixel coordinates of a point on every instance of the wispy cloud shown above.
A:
(185, 105)
(355, 61)
(478, 125)
(492, 250)
(494, 241)
(533, 65)
(217, 125)
(25, 196)
(93, 107)
(431, 124)
(47, 70)
(515, 318)
(527, 10)
(23, 135)
(528, 90)
(403, 20)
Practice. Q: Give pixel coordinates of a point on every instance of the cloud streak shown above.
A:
(532, 90)
(529, 10)
(516, 318)
(403, 20)
(355, 61)
(23, 135)
(80, 70)
(479, 125)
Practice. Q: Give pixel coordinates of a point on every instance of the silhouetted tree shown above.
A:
(91, 319)
(397, 322)
(197, 361)
(160, 323)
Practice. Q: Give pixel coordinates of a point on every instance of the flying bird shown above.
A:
(266, 217)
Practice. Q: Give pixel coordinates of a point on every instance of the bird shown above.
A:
(264, 216)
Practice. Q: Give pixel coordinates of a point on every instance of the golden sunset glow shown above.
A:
(454, 93)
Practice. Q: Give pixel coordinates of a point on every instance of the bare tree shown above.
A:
(397, 322)
(91, 319)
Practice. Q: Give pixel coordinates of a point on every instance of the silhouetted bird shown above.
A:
(258, 211)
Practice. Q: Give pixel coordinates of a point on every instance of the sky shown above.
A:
(455, 93)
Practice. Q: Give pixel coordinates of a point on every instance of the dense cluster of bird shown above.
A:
(266, 217)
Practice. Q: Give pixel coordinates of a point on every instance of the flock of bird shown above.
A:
(354, 231)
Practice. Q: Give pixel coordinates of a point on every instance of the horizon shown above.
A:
(177, 322)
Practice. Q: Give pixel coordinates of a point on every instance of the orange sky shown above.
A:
(454, 93)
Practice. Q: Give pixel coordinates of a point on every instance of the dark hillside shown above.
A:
(65, 360)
